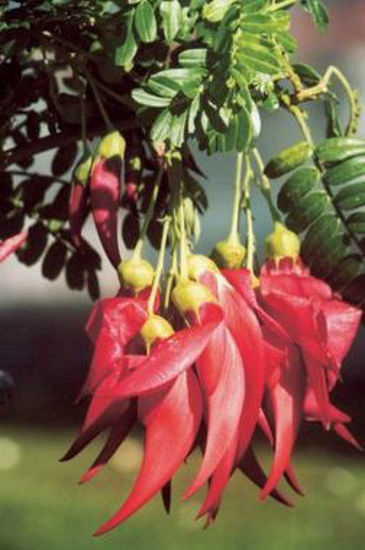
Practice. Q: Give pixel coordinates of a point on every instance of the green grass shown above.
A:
(42, 507)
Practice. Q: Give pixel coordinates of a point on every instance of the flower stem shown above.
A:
(159, 266)
(237, 195)
(173, 272)
(83, 125)
(249, 218)
(183, 243)
(98, 100)
(149, 214)
(321, 87)
(265, 188)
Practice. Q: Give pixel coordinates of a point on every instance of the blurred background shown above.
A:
(43, 346)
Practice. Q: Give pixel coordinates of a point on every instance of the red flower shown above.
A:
(308, 330)
(168, 403)
(105, 192)
(317, 320)
(204, 385)
(12, 244)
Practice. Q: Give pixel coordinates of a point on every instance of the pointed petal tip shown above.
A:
(190, 492)
(264, 493)
(89, 474)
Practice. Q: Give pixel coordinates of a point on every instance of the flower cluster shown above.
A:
(231, 354)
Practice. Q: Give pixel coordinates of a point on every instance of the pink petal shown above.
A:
(12, 244)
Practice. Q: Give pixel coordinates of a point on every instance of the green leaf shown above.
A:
(356, 222)
(318, 12)
(145, 22)
(125, 53)
(307, 210)
(258, 57)
(316, 238)
(265, 23)
(254, 6)
(297, 186)
(308, 75)
(193, 58)
(162, 126)
(351, 196)
(244, 134)
(163, 85)
(178, 126)
(193, 113)
(144, 98)
(171, 14)
(346, 270)
(215, 10)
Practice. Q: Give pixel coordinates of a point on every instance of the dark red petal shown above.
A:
(104, 195)
(250, 467)
(166, 496)
(287, 402)
(118, 433)
(224, 410)
(12, 244)
(77, 210)
(168, 438)
(167, 360)
(102, 413)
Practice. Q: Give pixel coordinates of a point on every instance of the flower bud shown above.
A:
(112, 145)
(82, 170)
(198, 265)
(155, 328)
(135, 274)
(188, 296)
(282, 243)
(229, 255)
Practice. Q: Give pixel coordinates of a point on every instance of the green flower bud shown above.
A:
(82, 170)
(112, 145)
(198, 265)
(229, 255)
(136, 273)
(189, 296)
(155, 328)
(282, 243)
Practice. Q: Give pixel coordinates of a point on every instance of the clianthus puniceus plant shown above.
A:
(200, 352)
